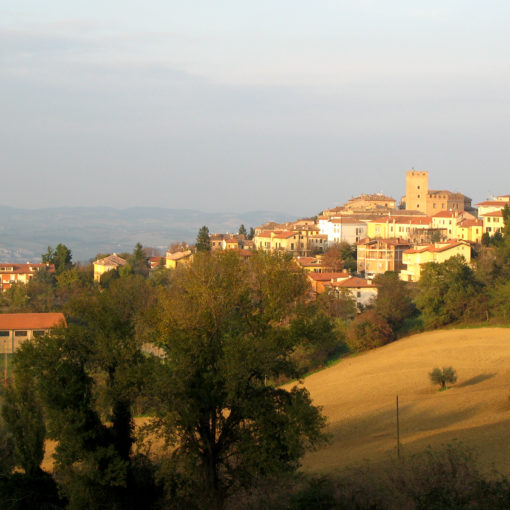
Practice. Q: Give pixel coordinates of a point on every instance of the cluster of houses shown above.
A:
(427, 226)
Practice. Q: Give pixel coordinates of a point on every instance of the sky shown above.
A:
(233, 105)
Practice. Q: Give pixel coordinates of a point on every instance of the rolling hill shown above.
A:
(358, 395)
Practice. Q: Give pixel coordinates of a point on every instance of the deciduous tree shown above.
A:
(224, 328)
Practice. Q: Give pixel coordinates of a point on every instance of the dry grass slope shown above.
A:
(358, 397)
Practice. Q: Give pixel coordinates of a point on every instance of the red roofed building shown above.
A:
(15, 328)
(364, 292)
(414, 258)
(376, 256)
(20, 273)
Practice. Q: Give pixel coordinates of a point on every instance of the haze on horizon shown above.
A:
(285, 105)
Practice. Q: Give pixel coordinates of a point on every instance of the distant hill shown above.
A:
(26, 233)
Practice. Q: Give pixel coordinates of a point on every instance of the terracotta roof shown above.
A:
(31, 320)
(111, 260)
(345, 219)
(495, 214)
(445, 214)
(307, 261)
(324, 277)
(178, 255)
(25, 268)
(436, 248)
(376, 197)
(471, 223)
(495, 203)
(353, 282)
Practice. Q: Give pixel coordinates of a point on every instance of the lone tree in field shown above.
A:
(446, 375)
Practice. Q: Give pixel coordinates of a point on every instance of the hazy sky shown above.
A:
(288, 105)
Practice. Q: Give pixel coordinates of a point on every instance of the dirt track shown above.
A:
(358, 397)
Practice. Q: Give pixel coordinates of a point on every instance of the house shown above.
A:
(11, 273)
(342, 229)
(493, 205)
(109, 263)
(408, 228)
(414, 258)
(366, 202)
(470, 230)
(493, 222)
(312, 264)
(16, 328)
(178, 259)
(364, 292)
(376, 256)
(319, 280)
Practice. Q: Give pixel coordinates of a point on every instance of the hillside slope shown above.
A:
(358, 397)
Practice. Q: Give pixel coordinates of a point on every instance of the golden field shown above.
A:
(358, 395)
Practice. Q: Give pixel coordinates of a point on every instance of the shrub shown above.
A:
(367, 331)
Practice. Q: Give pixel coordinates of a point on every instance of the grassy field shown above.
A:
(358, 395)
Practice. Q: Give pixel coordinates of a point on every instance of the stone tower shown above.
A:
(417, 190)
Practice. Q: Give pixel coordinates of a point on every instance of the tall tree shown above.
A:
(251, 234)
(449, 291)
(223, 326)
(203, 240)
(61, 257)
(393, 300)
(242, 231)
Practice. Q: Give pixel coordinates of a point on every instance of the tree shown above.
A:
(87, 377)
(393, 300)
(203, 240)
(242, 231)
(60, 257)
(367, 331)
(251, 234)
(443, 376)
(224, 325)
(138, 261)
(449, 291)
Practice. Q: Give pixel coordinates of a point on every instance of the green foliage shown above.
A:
(251, 234)
(449, 292)
(337, 305)
(23, 416)
(393, 300)
(88, 377)
(242, 231)
(368, 330)
(223, 328)
(138, 261)
(203, 243)
(443, 376)
(60, 257)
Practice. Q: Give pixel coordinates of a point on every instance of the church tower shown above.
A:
(417, 190)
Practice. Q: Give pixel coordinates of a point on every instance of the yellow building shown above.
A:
(414, 258)
(469, 230)
(416, 228)
(177, 259)
(106, 264)
(493, 222)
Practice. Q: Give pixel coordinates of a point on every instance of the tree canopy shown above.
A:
(203, 240)
(224, 327)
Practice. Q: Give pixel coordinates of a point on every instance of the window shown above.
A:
(434, 205)
(4, 333)
(20, 333)
(39, 332)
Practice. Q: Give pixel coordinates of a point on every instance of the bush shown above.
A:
(444, 376)
(367, 331)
